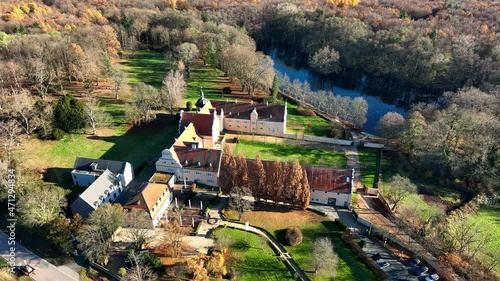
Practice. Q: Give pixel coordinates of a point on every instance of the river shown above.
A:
(377, 107)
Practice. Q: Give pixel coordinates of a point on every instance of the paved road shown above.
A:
(397, 271)
(44, 271)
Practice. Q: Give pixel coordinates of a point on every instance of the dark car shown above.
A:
(421, 270)
(413, 262)
(27, 269)
(377, 257)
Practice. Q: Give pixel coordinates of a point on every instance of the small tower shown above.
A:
(201, 101)
(253, 120)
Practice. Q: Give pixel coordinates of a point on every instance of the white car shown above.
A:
(432, 277)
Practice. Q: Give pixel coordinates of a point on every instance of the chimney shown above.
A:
(236, 100)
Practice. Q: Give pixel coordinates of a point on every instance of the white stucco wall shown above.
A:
(321, 197)
(83, 178)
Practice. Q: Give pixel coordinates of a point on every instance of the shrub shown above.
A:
(226, 91)
(362, 243)
(58, 134)
(122, 271)
(305, 111)
(189, 106)
(294, 236)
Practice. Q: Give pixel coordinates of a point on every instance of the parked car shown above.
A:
(383, 265)
(377, 257)
(413, 262)
(27, 269)
(421, 270)
(432, 277)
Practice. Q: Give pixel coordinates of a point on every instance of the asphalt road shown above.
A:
(44, 271)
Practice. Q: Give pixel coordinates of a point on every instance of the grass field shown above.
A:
(207, 78)
(368, 159)
(147, 66)
(254, 259)
(288, 153)
(313, 226)
(489, 219)
(313, 125)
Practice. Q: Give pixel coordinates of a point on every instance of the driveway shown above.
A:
(44, 271)
(397, 271)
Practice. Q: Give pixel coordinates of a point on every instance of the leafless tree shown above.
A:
(40, 76)
(187, 52)
(144, 100)
(172, 238)
(10, 129)
(325, 61)
(95, 115)
(41, 205)
(391, 125)
(140, 226)
(118, 77)
(172, 90)
(140, 270)
(23, 107)
(324, 259)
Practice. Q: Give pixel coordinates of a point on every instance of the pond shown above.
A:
(379, 102)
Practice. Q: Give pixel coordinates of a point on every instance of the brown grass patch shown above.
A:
(274, 218)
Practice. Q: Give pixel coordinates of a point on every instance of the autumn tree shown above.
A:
(144, 100)
(391, 125)
(324, 259)
(256, 177)
(172, 90)
(292, 182)
(41, 204)
(241, 173)
(413, 132)
(172, 238)
(195, 267)
(274, 182)
(187, 52)
(139, 225)
(95, 236)
(95, 115)
(398, 189)
(227, 171)
(118, 77)
(325, 61)
(305, 191)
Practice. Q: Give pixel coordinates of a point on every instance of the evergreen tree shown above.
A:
(305, 191)
(227, 171)
(69, 114)
(276, 86)
(294, 183)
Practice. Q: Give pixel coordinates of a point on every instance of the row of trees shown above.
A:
(352, 110)
(277, 181)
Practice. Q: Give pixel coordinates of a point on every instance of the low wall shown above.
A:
(372, 145)
(371, 191)
(327, 140)
(290, 136)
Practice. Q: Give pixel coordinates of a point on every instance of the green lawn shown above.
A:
(288, 153)
(368, 160)
(253, 258)
(313, 226)
(206, 77)
(489, 219)
(147, 66)
(313, 125)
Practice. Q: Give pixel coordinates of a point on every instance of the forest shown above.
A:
(49, 48)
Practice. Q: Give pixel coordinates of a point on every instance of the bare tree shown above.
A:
(144, 100)
(324, 260)
(391, 125)
(172, 90)
(41, 205)
(359, 110)
(140, 270)
(23, 107)
(172, 238)
(10, 130)
(40, 76)
(140, 227)
(398, 189)
(325, 61)
(118, 76)
(237, 200)
(187, 52)
(95, 115)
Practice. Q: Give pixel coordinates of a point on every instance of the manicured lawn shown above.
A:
(368, 159)
(313, 125)
(206, 77)
(253, 258)
(147, 66)
(313, 226)
(288, 153)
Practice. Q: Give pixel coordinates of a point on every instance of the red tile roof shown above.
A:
(202, 122)
(242, 110)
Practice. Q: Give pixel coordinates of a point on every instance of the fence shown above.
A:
(328, 140)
